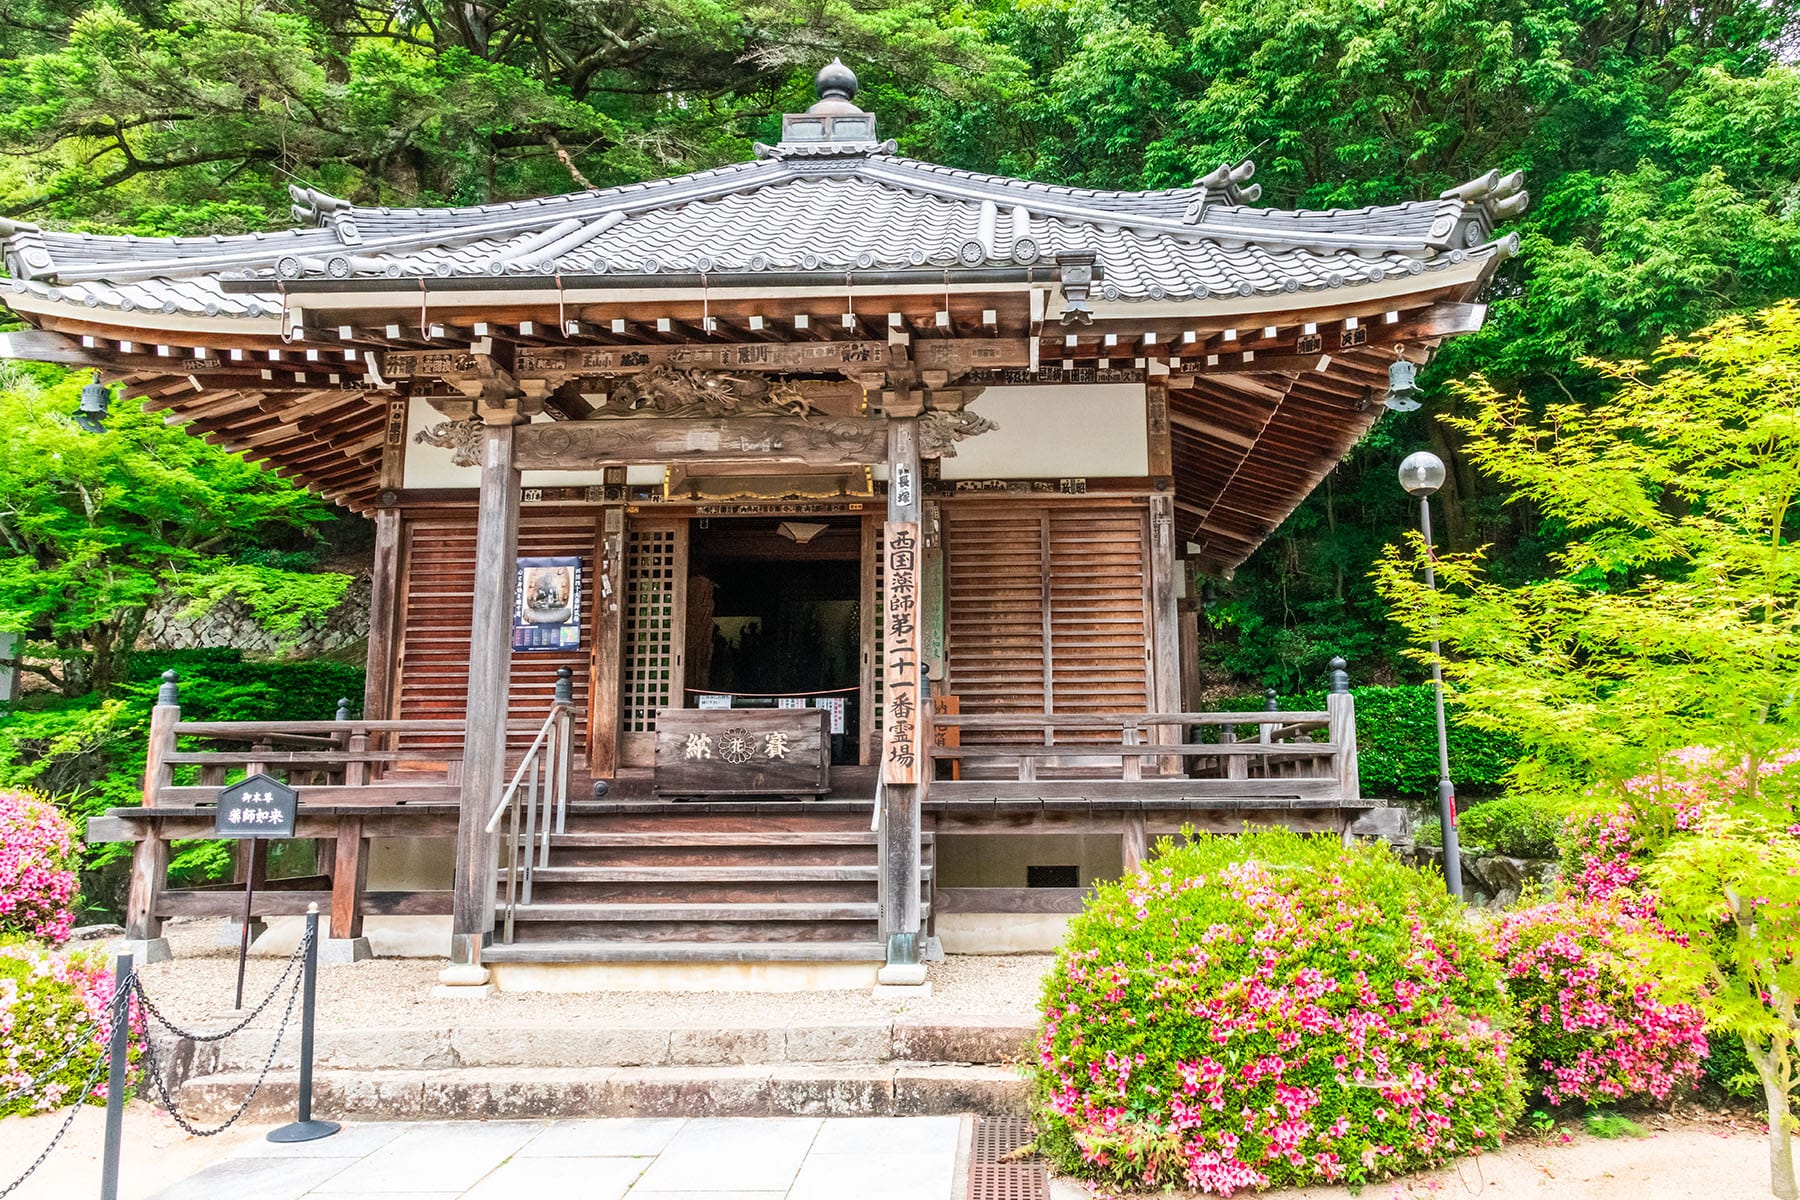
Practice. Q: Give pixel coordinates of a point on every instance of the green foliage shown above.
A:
(1730, 895)
(54, 1003)
(96, 528)
(1673, 615)
(1396, 741)
(1516, 826)
(1591, 1030)
(1268, 1010)
(88, 752)
(1612, 1126)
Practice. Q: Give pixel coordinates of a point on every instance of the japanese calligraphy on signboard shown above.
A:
(903, 743)
(547, 604)
(259, 807)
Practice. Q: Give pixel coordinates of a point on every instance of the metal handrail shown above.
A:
(546, 766)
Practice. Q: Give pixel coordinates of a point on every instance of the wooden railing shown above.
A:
(347, 760)
(1289, 752)
(539, 790)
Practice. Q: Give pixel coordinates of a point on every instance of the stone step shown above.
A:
(994, 1041)
(491, 1093)
(600, 950)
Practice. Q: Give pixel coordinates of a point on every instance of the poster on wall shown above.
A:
(547, 604)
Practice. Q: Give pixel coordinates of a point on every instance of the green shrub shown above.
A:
(53, 1003)
(1591, 1030)
(1515, 826)
(1271, 1010)
(1396, 741)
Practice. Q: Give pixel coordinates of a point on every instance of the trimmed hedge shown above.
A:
(1396, 741)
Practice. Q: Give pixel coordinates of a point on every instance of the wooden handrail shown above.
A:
(1143, 750)
(1125, 720)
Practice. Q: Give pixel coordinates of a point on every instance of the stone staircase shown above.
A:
(647, 881)
(876, 1066)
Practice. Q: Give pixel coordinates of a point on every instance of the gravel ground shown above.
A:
(1698, 1156)
(198, 984)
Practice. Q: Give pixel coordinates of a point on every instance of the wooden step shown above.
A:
(603, 912)
(684, 837)
(746, 873)
(603, 951)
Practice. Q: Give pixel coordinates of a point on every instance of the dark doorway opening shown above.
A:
(774, 617)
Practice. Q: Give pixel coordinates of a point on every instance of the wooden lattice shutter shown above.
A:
(995, 604)
(1099, 643)
(1045, 611)
(440, 596)
(433, 672)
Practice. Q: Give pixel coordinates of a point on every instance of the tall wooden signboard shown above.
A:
(904, 747)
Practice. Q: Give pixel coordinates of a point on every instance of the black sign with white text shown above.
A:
(259, 807)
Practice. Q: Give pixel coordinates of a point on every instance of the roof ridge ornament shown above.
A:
(833, 125)
(1225, 184)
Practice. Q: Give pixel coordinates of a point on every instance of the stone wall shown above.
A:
(228, 625)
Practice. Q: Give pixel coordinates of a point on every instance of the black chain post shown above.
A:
(304, 1128)
(118, 1062)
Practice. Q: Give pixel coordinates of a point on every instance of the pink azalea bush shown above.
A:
(1271, 1010)
(38, 851)
(1590, 1028)
(53, 1003)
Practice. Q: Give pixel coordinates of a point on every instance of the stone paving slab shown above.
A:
(701, 1158)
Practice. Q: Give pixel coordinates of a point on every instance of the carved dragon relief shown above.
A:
(666, 391)
(461, 438)
(940, 431)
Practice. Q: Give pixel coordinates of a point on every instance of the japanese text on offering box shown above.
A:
(903, 713)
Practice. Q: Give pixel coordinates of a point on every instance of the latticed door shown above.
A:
(655, 621)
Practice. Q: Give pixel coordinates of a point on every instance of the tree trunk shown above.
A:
(1781, 1145)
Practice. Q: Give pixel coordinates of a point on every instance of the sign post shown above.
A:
(258, 807)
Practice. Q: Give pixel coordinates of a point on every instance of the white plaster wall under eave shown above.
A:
(429, 466)
(1056, 432)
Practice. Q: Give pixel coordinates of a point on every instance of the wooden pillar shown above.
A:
(163, 718)
(1165, 657)
(384, 613)
(149, 866)
(490, 657)
(349, 876)
(1134, 844)
(609, 645)
(903, 763)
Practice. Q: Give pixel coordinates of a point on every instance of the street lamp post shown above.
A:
(1422, 474)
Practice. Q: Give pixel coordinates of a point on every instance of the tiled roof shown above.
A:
(794, 211)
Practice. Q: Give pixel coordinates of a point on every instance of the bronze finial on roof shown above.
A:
(833, 125)
(837, 87)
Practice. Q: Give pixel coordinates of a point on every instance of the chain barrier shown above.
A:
(117, 1009)
(161, 1085)
(294, 960)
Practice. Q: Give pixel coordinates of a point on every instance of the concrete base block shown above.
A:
(144, 951)
(463, 975)
(338, 952)
(901, 974)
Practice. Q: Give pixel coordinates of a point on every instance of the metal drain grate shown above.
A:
(993, 1178)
